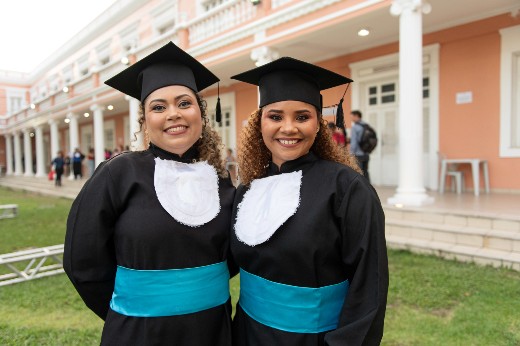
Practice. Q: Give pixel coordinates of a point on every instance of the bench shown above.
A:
(31, 264)
(8, 211)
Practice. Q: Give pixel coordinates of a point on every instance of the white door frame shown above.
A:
(388, 66)
(227, 102)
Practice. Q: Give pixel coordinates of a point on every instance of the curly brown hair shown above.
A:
(209, 146)
(254, 157)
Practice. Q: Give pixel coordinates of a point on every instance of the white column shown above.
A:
(55, 138)
(261, 56)
(17, 154)
(40, 159)
(411, 189)
(74, 139)
(27, 152)
(99, 134)
(136, 135)
(9, 154)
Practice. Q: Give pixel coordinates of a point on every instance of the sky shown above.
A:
(32, 30)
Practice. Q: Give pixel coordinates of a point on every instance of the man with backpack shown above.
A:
(363, 140)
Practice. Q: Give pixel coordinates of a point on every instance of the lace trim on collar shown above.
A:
(266, 206)
(188, 192)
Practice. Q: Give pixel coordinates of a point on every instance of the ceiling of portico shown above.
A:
(341, 37)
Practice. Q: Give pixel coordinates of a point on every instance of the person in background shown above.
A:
(77, 161)
(58, 163)
(91, 161)
(231, 165)
(147, 237)
(309, 230)
(338, 136)
(66, 170)
(108, 154)
(355, 139)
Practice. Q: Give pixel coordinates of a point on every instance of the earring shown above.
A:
(318, 130)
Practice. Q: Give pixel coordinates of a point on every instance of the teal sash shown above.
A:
(155, 293)
(291, 308)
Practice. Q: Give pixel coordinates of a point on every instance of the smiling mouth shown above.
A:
(176, 129)
(288, 141)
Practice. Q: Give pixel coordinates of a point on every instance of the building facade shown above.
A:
(435, 79)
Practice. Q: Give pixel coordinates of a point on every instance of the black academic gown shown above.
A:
(337, 233)
(117, 219)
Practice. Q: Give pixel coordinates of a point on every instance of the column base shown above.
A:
(410, 198)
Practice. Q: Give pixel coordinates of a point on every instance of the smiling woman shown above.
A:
(148, 236)
(307, 224)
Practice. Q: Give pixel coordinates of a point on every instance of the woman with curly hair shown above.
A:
(148, 235)
(309, 230)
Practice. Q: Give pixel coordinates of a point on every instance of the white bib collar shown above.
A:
(266, 206)
(188, 192)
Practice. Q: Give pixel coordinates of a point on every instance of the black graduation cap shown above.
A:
(291, 79)
(169, 65)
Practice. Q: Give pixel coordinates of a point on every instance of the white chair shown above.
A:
(456, 176)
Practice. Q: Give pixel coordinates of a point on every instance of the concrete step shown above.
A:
(461, 253)
(481, 220)
(489, 239)
(456, 235)
(69, 188)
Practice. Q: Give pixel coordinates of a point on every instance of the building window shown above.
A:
(103, 53)
(34, 95)
(43, 91)
(83, 65)
(129, 37)
(15, 104)
(54, 83)
(165, 17)
(426, 87)
(381, 94)
(67, 74)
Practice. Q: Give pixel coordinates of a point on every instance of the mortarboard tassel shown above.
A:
(340, 119)
(218, 111)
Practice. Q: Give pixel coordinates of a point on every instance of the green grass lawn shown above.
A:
(431, 301)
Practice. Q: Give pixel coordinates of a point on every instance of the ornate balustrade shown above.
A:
(220, 19)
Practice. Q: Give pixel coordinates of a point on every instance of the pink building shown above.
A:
(435, 79)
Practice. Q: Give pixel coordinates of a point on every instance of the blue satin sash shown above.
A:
(155, 293)
(291, 308)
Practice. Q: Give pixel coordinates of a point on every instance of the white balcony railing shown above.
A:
(219, 19)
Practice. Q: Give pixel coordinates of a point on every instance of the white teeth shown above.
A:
(176, 129)
(286, 142)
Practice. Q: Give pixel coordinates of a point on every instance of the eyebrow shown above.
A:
(281, 111)
(176, 98)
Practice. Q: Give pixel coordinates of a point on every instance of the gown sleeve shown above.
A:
(89, 256)
(364, 255)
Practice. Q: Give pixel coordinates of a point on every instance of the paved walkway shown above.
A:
(493, 204)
